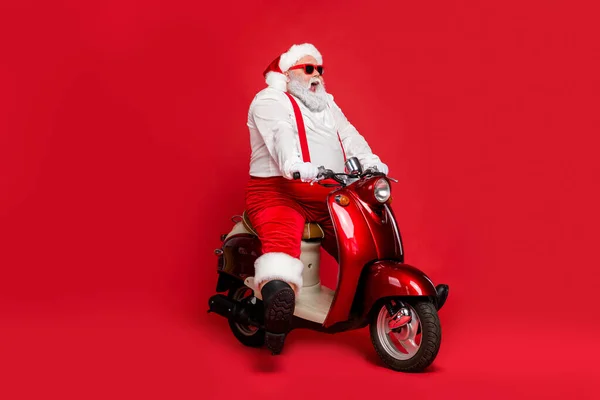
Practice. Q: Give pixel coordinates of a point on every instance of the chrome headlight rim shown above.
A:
(382, 190)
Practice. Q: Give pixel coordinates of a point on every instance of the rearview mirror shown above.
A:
(353, 166)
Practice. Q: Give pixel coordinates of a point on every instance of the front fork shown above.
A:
(399, 314)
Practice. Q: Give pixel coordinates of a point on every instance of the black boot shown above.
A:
(280, 301)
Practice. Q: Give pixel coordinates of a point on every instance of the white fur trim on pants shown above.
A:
(280, 266)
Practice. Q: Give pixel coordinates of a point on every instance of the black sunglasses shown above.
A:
(309, 68)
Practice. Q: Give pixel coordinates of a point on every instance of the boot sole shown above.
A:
(280, 311)
(278, 319)
(275, 342)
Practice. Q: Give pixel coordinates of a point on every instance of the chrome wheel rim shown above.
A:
(242, 294)
(402, 343)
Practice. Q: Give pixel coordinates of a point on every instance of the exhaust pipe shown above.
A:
(231, 309)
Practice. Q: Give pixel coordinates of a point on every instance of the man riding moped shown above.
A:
(300, 136)
(278, 206)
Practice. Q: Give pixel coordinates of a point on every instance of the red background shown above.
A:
(124, 152)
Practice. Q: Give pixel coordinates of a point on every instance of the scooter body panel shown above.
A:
(393, 279)
(365, 232)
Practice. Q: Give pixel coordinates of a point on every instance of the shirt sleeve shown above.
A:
(354, 143)
(276, 126)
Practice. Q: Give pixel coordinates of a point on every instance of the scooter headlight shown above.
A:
(382, 190)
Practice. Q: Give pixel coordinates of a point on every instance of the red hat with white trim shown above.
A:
(274, 73)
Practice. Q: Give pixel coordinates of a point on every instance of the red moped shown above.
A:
(375, 287)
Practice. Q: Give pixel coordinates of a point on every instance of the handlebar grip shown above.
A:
(296, 175)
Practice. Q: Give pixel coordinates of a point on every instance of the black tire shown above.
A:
(429, 329)
(247, 335)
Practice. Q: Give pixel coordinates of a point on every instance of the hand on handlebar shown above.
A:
(306, 172)
(341, 178)
(379, 167)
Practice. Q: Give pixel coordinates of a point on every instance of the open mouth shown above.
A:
(314, 85)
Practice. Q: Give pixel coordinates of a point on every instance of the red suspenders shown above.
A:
(302, 131)
(342, 146)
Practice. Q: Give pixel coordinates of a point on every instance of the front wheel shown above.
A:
(411, 347)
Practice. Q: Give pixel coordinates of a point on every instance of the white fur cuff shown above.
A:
(279, 266)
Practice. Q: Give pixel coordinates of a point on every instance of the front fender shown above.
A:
(393, 279)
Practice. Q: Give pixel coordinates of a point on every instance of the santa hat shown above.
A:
(274, 73)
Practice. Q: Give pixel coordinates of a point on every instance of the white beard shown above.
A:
(314, 101)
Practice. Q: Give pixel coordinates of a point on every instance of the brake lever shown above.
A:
(322, 170)
(315, 181)
(374, 170)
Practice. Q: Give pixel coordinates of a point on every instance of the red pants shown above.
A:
(278, 209)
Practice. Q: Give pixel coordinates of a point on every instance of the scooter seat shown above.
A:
(312, 230)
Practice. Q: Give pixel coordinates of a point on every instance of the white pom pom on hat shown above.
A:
(274, 73)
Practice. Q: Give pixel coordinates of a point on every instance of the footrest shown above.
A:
(313, 304)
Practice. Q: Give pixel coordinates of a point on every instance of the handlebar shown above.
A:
(341, 178)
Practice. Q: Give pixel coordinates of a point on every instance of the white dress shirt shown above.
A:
(274, 136)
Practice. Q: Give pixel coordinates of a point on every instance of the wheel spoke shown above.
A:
(410, 346)
(413, 325)
(396, 343)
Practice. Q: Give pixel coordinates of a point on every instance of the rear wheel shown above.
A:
(412, 347)
(248, 335)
